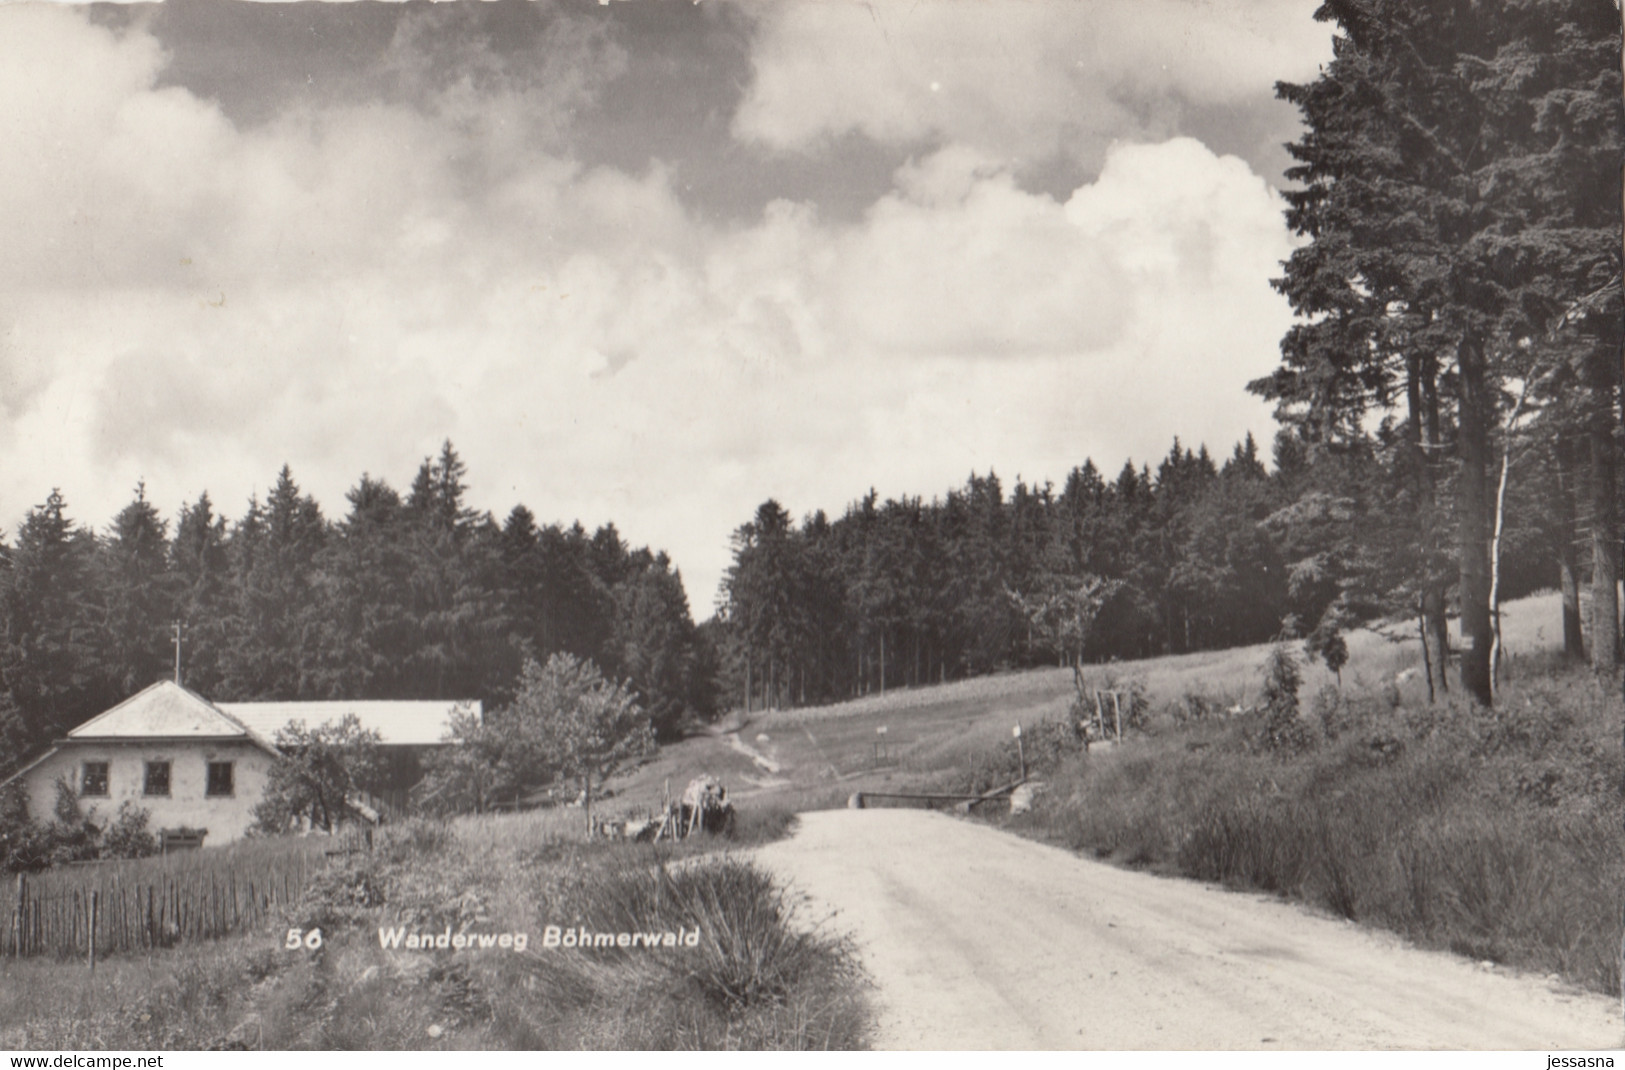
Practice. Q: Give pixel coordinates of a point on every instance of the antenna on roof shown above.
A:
(177, 652)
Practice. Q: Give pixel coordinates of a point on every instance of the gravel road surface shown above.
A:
(979, 939)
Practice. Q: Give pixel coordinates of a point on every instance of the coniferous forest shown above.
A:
(1449, 401)
(1450, 412)
(410, 597)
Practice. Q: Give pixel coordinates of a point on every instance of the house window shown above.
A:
(157, 782)
(94, 779)
(220, 782)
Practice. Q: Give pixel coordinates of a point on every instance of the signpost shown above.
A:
(882, 749)
(1117, 713)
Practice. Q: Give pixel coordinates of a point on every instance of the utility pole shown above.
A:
(177, 653)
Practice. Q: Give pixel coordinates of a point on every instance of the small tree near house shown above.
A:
(320, 774)
(578, 726)
(1283, 731)
(484, 763)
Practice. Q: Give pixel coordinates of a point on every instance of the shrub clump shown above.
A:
(127, 836)
(1490, 832)
(753, 948)
(28, 846)
(1283, 730)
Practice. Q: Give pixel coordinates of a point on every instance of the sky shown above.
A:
(647, 261)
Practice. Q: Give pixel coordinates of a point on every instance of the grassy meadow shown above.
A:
(762, 974)
(815, 757)
(1491, 833)
(1495, 834)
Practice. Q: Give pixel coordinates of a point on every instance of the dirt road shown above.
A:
(980, 939)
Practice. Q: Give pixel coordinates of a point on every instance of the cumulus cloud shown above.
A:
(1019, 80)
(194, 303)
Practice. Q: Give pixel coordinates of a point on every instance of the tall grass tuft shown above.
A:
(750, 950)
(757, 977)
(1494, 833)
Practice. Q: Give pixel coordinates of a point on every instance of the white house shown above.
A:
(199, 765)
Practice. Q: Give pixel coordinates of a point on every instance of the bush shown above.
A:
(1328, 708)
(1283, 731)
(1195, 705)
(1049, 742)
(20, 847)
(72, 836)
(1490, 832)
(1136, 705)
(752, 950)
(416, 836)
(989, 769)
(342, 895)
(127, 836)
(30, 846)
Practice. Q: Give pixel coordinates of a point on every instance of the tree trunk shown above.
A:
(586, 801)
(1422, 398)
(1427, 657)
(1604, 556)
(883, 661)
(1510, 429)
(1496, 646)
(1472, 506)
(1568, 558)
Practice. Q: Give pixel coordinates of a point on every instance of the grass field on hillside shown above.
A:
(1491, 833)
(1495, 835)
(815, 757)
(754, 975)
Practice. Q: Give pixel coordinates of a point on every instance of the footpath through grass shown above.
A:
(741, 970)
(1492, 833)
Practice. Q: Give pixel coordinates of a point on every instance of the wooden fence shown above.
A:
(109, 916)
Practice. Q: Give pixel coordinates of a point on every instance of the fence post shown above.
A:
(17, 924)
(90, 937)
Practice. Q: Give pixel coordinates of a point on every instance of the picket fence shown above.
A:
(102, 916)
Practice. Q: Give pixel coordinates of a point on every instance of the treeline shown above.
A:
(408, 596)
(1450, 396)
(1192, 555)
(1452, 416)
(1459, 295)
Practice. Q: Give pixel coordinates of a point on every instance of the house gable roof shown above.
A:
(164, 711)
(398, 724)
(169, 711)
(18, 775)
